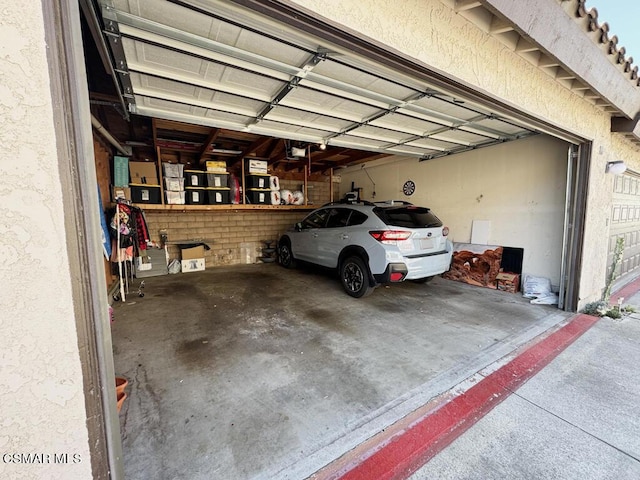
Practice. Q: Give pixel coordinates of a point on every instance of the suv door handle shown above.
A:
(314, 235)
(344, 236)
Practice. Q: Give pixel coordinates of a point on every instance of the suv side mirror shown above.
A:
(298, 226)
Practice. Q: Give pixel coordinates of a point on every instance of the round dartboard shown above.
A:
(408, 188)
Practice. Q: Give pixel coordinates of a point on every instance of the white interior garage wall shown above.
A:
(519, 187)
(434, 34)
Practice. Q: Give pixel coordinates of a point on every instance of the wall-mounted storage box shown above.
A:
(173, 169)
(217, 180)
(141, 193)
(259, 196)
(143, 173)
(194, 178)
(255, 166)
(174, 198)
(195, 196)
(256, 181)
(217, 196)
(174, 184)
(217, 166)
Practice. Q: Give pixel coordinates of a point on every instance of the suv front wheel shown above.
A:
(285, 254)
(354, 276)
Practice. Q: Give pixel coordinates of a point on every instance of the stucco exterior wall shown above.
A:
(519, 187)
(43, 431)
(430, 32)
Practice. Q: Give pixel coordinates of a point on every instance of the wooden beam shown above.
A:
(213, 134)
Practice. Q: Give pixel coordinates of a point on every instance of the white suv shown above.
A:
(370, 243)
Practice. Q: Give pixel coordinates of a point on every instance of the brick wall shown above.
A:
(234, 236)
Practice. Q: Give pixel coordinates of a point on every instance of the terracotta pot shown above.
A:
(121, 398)
(121, 384)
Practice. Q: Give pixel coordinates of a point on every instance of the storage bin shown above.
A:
(217, 180)
(145, 193)
(259, 196)
(174, 198)
(194, 178)
(195, 196)
(173, 169)
(256, 181)
(174, 184)
(218, 196)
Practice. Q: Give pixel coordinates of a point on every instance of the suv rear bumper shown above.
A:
(395, 272)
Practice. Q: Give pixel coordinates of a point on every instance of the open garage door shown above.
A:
(264, 68)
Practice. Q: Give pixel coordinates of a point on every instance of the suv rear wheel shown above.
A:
(354, 276)
(285, 255)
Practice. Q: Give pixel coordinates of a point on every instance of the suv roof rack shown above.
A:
(348, 202)
(393, 202)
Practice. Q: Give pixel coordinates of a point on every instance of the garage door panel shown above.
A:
(389, 136)
(340, 107)
(304, 117)
(345, 74)
(625, 224)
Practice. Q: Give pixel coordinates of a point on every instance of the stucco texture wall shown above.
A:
(43, 433)
(519, 187)
(430, 32)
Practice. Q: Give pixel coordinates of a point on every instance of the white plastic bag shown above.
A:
(536, 287)
(175, 266)
(550, 299)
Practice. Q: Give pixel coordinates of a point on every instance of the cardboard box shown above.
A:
(256, 166)
(120, 192)
(143, 173)
(192, 265)
(193, 252)
(508, 282)
(216, 166)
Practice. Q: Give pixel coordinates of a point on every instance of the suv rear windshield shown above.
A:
(408, 216)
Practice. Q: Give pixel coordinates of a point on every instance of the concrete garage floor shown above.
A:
(255, 372)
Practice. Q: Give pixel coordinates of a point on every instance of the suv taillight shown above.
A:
(390, 236)
(445, 231)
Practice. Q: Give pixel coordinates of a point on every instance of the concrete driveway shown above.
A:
(254, 371)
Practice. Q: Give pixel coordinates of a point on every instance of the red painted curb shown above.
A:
(411, 447)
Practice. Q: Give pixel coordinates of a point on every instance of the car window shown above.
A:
(315, 219)
(357, 218)
(338, 217)
(408, 216)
